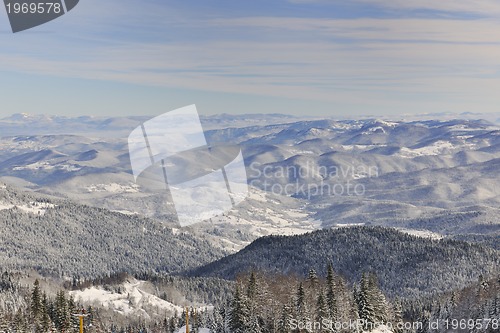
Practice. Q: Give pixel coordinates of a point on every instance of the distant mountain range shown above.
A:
(71, 206)
(418, 174)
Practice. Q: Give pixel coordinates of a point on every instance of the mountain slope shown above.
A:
(406, 170)
(406, 265)
(63, 238)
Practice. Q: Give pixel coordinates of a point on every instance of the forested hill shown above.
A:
(57, 237)
(406, 265)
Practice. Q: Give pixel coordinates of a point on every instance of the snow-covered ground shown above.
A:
(132, 300)
(45, 165)
(113, 188)
(33, 207)
(421, 233)
(200, 330)
(438, 147)
(381, 329)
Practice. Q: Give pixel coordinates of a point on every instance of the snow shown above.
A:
(386, 123)
(113, 188)
(133, 300)
(437, 148)
(200, 330)
(421, 233)
(304, 152)
(48, 166)
(361, 147)
(381, 329)
(257, 195)
(35, 166)
(262, 215)
(34, 207)
(125, 212)
(376, 129)
(349, 225)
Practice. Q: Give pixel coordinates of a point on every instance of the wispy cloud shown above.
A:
(484, 7)
(429, 62)
(368, 29)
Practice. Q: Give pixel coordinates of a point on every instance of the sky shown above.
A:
(301, 57)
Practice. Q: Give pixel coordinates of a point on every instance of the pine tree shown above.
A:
(321, 308)
(4, 323)
(285, 321)
(378, 300)
(312, 279)
(36, 306)
(450, 306)
(20, 324)
(252, 286)
(239, 315)
(62, 315)
(331, 297)
(300, 301)
(253, 325)
(45, 321)
(424, 320)
(495, 313)
(366, 308)
(252, 302)
(194, 320)
(216, 323)
(301, 306)
(397, 316)
(182, 319)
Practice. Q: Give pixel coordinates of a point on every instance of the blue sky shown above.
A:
(314, 57)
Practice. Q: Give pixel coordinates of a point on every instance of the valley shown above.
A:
(413, 203)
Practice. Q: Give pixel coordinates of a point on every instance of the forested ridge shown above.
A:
(72, 239)
(406, 265)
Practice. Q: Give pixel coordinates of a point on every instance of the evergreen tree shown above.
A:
(36, 306)
(312, 279)
(451, 305)
(20, 324)
(286, 317)
(331, 297)
(321, 308)
(301, 300)
(62, 318)
(239, 315)
(45, 321)
(216, 323)
(4, 323)
(364, 298)
(302, 314)
(252, 287)
(397, 316)
(378, 300)
(253, 325)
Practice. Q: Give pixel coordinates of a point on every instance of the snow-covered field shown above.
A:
(129, 300)
(438, 147)
(113, 188)
(421, 233)
(37, 208)
(47, 166)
